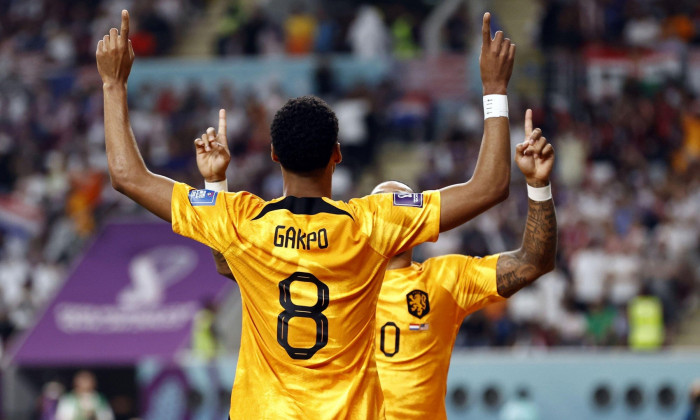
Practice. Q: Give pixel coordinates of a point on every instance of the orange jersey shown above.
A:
(419, 312)
(309, 271)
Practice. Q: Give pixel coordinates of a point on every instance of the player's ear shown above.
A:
(273, 156)
(337, 157)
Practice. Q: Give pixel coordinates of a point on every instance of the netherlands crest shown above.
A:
(418, 304)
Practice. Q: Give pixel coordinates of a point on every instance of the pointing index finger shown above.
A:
(486, 29)
(222, 128)
(222, 122)
(528, 123)
(125, 24)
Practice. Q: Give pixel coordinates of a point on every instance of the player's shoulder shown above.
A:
(360, 207)
(373, 202)
(448, 265)
(243, 203)
(447, 260)
(459, 265)
(202, 196)
(243, 197)
(367, 202)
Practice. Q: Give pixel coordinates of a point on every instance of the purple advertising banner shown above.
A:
(133, 294)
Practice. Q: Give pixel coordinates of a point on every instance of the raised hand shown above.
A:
(213, 155)
(534, 156)
(496, 59)
(115, 54)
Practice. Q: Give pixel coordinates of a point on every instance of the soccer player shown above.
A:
(309, 268)
(422, 305)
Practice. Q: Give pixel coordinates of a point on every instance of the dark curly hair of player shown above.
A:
(304, 132)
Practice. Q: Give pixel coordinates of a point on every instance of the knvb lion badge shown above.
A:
(418, 304)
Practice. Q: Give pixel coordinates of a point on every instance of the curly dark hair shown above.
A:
(304, 132)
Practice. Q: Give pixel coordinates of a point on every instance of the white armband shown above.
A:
(495, 106)
(539, 194)
(218, 186)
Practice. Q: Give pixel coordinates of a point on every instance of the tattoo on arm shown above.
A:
(517, 269)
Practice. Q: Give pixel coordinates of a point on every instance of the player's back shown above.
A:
(309, 271)
(312, 274)
(419, 312)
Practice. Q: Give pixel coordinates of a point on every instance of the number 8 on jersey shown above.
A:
(292, 310)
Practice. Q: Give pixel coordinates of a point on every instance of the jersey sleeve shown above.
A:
(473, 286)
(399, 221)
(207, 216)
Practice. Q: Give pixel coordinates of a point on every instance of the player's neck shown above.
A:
(307, 185)
(403, 260)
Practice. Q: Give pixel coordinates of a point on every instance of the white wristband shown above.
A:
(539, 194)
(495, 106)
(216, 186)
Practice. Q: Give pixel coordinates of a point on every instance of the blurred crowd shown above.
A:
(638, 24)
(368, 31)
(397, 28)
(51, 182)
(60, 34)
(627, 182)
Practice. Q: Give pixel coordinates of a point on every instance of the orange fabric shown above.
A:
(424, 305)
(309, 272)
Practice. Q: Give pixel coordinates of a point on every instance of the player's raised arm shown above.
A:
(213, 157)
(126, 167)
(517, 269)
(488, 185)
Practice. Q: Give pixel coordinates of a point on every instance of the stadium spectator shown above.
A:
(50, 395)
(690, 153)
(588, 267)
(570, 325)
(368, 35)
(646, 325)
(300, 31)
(601, 319)
(455, 31)
(227, 41)
(84, 402)
(327, 33)
(641, 29)
(205, 342)
(404, 40)
(353, 113)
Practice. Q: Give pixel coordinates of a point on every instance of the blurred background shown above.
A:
(99, 298)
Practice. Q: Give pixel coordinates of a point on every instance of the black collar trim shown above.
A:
(302, 205)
